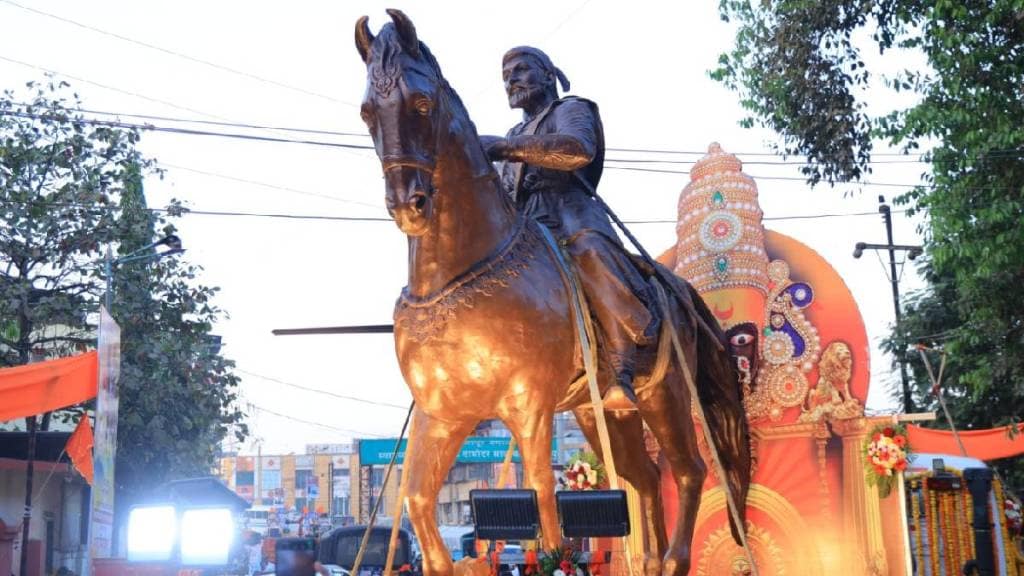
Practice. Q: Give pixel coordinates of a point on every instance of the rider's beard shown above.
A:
(525, 94)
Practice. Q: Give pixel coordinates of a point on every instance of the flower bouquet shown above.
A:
(885, 455)
(584, 472)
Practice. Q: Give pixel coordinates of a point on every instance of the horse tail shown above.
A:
(719, 392)
(721, 395)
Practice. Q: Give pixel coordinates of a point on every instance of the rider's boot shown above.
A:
(620, 395)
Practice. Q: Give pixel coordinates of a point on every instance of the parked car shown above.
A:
(340, 546)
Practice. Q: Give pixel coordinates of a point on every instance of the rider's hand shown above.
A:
(496, 147)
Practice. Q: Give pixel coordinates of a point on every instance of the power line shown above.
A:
(225, 123)
(188, 131)
(192, 132)
(354, 433)
(180, 55)
(324, 392)
(785, 178)
(768, 218)
(229, 124)
(271, 186)
(111, 88)
(187, 212)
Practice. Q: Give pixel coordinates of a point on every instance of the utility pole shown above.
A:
(894, 279)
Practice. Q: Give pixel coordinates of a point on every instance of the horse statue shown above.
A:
(484, 329)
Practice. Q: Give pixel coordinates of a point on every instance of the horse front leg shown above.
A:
(433, 446)
(532, 430)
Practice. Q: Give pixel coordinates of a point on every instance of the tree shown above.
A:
(928, 319)
(68, 188)
(797, 66)
(177, 392)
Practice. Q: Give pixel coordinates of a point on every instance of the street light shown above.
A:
(171, 241)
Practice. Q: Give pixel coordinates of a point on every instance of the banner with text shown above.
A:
(101, 524)
(476, 449)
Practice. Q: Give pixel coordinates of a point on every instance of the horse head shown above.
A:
(406, 109)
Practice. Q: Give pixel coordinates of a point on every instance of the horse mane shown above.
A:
(384, 69)
(387, 48)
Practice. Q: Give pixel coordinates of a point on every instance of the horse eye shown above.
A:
(367, 115)
(741, 339)
(424, 106)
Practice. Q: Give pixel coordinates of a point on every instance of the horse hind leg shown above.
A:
(666, 409)
(631, 460)
(433, 446)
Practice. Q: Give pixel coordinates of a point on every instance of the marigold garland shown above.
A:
(886, 451)
(915, 512)
(933, 532)
(1009, 546)
(968, 504)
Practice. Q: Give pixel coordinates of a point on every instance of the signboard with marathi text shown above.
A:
(476, 449)
(101, 518)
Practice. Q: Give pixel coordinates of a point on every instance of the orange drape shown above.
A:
(989, 444)
(46, 386)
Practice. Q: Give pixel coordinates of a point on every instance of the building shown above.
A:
(60, 506)
(342, 481)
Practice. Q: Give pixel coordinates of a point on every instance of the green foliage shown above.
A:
(69, 189)
(57, 178)
(565, 559)
(177, 391)
(799, 71)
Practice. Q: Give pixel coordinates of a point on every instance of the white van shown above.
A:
(257, 518)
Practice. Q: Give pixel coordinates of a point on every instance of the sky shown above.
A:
(294, 64)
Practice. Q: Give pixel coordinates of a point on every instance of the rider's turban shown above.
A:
(542, 59)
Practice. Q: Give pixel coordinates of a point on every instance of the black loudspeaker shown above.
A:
(505, 514)
(593, 513)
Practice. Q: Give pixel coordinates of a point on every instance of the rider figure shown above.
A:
(552, 163)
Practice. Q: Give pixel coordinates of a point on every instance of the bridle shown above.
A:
(443, 108)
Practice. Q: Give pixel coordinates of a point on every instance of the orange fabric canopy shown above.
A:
(989, 444)
(46, 386)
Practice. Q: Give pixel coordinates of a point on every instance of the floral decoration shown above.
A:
(1011, 509)
(557, 562)
(584, 472)
(885, 455)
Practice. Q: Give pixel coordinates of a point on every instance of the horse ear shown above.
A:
(406, 31)
(363, 37)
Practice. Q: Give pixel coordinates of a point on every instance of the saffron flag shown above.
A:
(79, 448)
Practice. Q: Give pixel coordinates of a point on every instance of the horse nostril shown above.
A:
(418, 201)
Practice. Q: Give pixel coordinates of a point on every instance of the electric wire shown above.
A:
(112, 88)
(319, 391)
(271, 186)
(187, 212)
(349, 431)
(235, 135)
(181, 55)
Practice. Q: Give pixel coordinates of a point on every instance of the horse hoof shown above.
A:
(675, 567)
(652, 567)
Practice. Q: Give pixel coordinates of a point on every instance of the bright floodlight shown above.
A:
(206, 536)
(151, 533)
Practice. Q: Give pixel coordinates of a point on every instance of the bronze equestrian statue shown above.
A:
(484, 327)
